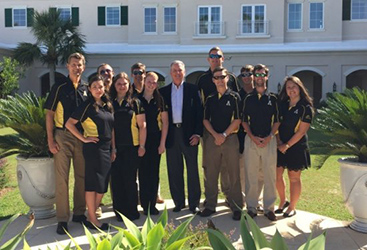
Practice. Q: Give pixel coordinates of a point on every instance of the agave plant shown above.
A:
(26, 116)
(344, 121)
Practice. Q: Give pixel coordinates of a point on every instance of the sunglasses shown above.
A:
(219, 77)
(104, 71)
(260, 74)
(215, 56)
(246, 74)
(137, 73)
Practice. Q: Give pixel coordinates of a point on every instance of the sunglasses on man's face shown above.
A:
(215, 56)
(137, 73)
(219, 77)
(246, 74)
(260, 74)
(105, 71)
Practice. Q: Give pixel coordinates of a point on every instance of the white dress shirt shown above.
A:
(177, 102)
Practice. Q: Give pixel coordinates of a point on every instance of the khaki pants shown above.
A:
(70, 148)
(257, 158)
(215, 156)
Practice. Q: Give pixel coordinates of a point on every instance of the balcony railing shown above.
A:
(253, 28)
(209, 29)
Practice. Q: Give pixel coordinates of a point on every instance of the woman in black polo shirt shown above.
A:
(157, 127)
(296, 109)
(129, 145)
(96, 118)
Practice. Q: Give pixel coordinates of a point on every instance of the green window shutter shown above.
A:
(75, 16)
(8, 18)
(124, 15)
(30, 17)
(346, 9)
(101, 15)
(52, 9)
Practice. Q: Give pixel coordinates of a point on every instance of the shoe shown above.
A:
(195, 210)
(206, 212)
(280, 210)
(99, 212)
(79, 218)
(271, 216)
(290, 214)
(260, 209)
(160, 200)
(178, 208)
(61, 228)
(103, 227)
(236, 215)
(252, 214)
(134, 216)
(153, 211)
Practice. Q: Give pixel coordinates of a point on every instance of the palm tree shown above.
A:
(56, 39)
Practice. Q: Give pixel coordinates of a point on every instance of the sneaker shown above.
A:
(236, 215)
(79, 218)
(271, 216)
(61, 228)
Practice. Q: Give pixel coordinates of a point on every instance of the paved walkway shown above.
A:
(295, 230)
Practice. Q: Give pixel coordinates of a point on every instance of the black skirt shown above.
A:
(97, 166)
(295, 158)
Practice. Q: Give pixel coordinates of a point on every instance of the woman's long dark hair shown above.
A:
(113, 92)
(156, 95)
(104, 98)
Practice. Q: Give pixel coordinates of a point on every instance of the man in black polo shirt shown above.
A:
(106, 71)
(61, 103)
(222, 119)
(206, 87)
(261, 122)
(138, 74)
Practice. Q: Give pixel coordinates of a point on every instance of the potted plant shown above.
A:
(344, 121)
(35, 169)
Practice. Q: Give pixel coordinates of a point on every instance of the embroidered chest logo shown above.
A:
(269, 103)
(228, 103)
(296, 111)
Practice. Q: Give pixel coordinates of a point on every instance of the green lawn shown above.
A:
(321, 192)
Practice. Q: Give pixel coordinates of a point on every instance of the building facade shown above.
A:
(324, 42)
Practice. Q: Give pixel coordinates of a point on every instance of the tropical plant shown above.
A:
(14, 242)
(56, 39)
(344, 121)
(25, 115)
(256, 240)
(10, 72)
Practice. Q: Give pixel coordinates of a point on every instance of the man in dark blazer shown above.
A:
(185, 129)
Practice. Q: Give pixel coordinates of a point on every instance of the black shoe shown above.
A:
(252, 214)
(79, 218)
(154, 211)
(280, 210)
(134, 216)
(61, 228)
(290, 214)
(195, 210)
(271, 216)
(90, 225)
(236, 215)
(178, 208)
(260, 209)
(206, 212)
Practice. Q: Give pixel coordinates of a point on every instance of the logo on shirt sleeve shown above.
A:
(228, 103)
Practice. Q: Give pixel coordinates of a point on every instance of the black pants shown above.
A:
(123, 181)
(149, 172)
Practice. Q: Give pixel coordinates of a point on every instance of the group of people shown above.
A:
(115, 132)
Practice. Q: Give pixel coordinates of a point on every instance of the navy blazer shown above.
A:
(192, 113)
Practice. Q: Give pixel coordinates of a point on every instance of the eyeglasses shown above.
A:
(219, 77)
(215, 56)
(137, 72)
(260, 74)
(104, 71)
(246, 74)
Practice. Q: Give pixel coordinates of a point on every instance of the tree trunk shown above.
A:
(52, 68)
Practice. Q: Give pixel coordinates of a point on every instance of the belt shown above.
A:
(63, 129)
(177, 125)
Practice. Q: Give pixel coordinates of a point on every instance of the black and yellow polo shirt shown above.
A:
(292, 116)
(261, 112)
(64, 98)
(153, 114)
(95, 123)
(125, 124)
(221, 110)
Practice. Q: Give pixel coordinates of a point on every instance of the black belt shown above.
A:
(63, 129)
(177, 125)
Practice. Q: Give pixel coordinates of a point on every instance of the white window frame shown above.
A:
(13, 15)
(301, 18)
(209, 21)
(323, 16)
(164, 19)
(253, 19)
(156, 19)
(351, 13)
(119, 15)
(65, 7)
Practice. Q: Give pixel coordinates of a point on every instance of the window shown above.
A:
(19, 17)
(210, 20)
(316, 15)
(294, 16)
(253, 19)
(169, 19)
(113, 16)
(65, 13)
(359, 9)
(150, 19)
